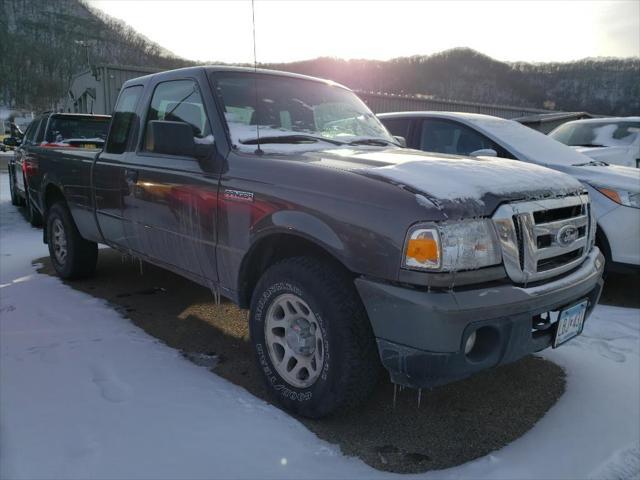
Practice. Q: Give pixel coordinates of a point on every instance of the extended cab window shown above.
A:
(124, 118)
(179, 101)
(40, 133)
(30, 136)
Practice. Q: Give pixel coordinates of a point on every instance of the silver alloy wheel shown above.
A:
(59, 241)
(294, 340)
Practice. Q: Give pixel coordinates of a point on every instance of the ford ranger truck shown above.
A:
(286, 195)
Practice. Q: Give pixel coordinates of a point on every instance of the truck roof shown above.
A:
(245, 70)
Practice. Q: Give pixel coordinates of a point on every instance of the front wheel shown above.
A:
(72, 256)
(312, 337)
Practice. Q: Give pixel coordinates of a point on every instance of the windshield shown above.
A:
(292, 108)
(597, 134)
(63, 129)
(526, 143)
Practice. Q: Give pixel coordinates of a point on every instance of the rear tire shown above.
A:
(33, 215)
(71, 255)
(15, 199)
(312, 337)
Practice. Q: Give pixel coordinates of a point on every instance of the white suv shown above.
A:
(613, 140)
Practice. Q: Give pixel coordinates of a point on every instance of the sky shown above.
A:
(532, 31)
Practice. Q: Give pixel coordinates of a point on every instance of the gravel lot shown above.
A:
(454, 423)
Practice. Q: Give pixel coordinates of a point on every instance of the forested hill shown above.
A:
(606, 86)
(44, 43)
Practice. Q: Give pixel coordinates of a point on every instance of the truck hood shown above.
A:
(473, 185)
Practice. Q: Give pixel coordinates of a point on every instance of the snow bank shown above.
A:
(85, 394)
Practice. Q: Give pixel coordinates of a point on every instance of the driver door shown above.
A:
(173, 200)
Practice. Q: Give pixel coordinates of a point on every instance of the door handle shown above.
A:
(131, 176)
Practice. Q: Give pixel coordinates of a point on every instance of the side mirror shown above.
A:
(401, 140)
(170, 138)
(484, 152)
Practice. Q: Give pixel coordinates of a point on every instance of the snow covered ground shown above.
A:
(85, 394)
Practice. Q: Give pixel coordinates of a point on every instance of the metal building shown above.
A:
(547, 122)
(96, 89)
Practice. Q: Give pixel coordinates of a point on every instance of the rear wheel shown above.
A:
(71, 255)
(312, 337)
(15, 198)
(33, 215)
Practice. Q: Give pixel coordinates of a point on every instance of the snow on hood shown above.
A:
(527, 143)
(613, 176)
(455, 178)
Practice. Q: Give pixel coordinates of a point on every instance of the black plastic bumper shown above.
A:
(421, 335)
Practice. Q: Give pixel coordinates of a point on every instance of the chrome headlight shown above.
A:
(623, 197)
(463, 245)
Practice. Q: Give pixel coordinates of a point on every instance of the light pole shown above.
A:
(85, 44)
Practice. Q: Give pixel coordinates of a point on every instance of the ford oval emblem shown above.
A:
(567, 235)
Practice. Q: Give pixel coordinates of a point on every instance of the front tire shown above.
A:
(71, 255)
(312, 338)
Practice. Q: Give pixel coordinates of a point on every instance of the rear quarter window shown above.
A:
(124, 118)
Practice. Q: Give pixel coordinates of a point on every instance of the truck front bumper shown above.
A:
(421, 334)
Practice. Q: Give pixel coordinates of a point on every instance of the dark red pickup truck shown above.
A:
(286, 195)
(44, 133)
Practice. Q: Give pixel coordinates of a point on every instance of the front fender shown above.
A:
(306, 225)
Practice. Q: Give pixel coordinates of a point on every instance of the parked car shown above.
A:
(613, 140)
(5, 132)
(47, 132)
(614, 190)
(285, 194)
(11, 137)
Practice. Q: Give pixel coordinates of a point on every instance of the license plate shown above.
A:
(570, 323)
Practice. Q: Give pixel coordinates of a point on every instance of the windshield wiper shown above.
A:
(293, 139)
(593, 163)
(588, 145)
(372, 141)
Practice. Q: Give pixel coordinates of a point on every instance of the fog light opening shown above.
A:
(470, 343)
(481, 344)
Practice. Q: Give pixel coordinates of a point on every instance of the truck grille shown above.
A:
(544, 238)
